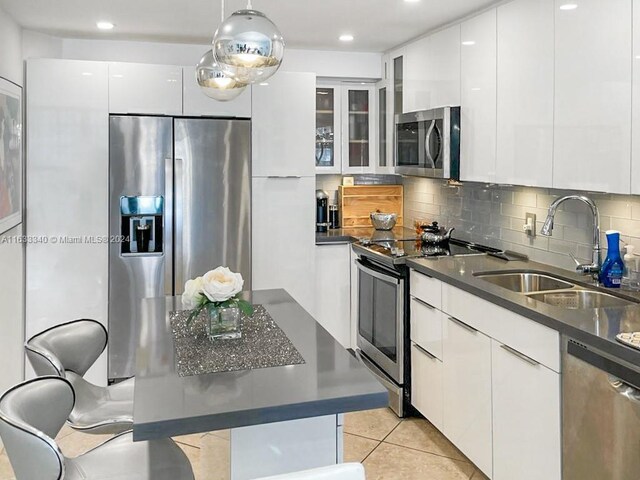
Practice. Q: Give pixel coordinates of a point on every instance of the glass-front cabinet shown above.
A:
(346, 124)
(358, 129)
(328, 157)
(382, 125)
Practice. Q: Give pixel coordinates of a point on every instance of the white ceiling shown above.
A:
(377, 25)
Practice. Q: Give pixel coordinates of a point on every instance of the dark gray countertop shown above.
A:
(595, 327)
(331, 381)
(351, 234)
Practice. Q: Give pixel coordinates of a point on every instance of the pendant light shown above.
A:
(248, 46)
(213, 81)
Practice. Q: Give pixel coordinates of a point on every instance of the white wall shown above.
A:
(40, 45)
(10, 49)
(11, 254)
(322, 63)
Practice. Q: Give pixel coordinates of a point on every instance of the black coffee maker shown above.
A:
(322, 211)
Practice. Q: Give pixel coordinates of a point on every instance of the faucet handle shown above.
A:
(573, 257)
(585, 268)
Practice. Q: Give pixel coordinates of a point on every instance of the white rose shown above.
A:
(192, 292)
(221, 284)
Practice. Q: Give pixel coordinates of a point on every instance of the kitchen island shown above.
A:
(282, 419)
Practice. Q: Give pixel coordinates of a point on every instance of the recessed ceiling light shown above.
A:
(264, 84)
(568, 6)
(412, 1)
(468, 43)
(346, 38)
(86, 74)
(104, 25)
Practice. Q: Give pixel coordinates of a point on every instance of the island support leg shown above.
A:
(284, 447)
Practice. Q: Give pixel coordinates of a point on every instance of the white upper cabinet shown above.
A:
(478, 98)
(432, 77)
(592, 139)
(197, 104)
(145, 89)
(635, 121)
(415, 92)
(525, 93)
(443, 77)
(283, 126)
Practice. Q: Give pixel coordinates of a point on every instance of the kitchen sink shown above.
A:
(580, 299)
(525, 282)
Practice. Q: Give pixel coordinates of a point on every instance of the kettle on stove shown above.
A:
(435, 234)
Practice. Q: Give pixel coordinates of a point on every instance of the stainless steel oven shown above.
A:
(428, 143)
(381, 325)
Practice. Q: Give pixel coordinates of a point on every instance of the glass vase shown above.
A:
(223, 323)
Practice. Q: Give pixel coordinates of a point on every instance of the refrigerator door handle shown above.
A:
(168, 226)
(178, 215)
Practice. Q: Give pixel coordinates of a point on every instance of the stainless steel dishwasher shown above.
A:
(601, 415)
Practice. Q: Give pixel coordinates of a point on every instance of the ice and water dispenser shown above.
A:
(141, 225)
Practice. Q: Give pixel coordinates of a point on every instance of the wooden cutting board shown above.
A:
(358, 201)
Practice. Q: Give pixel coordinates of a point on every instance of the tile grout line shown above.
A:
(373, 450)
(468, 462)
(379, 441)
(431, 453)
(186, 444)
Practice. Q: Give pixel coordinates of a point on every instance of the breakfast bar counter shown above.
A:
(295, 409)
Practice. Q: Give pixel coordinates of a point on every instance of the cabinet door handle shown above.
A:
(422, 302)
(463, 325)
(422, 350)
(284, 176)
(521, 356)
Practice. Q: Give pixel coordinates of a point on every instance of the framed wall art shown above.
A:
(10, 155)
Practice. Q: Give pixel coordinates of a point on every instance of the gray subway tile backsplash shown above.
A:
(494, 215)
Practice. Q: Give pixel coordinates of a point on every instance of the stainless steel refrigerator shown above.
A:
(180, 204)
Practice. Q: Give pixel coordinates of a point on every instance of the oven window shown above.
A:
(377, 315)
(408, 144)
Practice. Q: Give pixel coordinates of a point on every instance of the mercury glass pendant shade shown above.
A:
(214, 82)
(248, 46)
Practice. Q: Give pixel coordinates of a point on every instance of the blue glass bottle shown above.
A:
(613, 266)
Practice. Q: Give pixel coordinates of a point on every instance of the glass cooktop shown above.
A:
(412, 247)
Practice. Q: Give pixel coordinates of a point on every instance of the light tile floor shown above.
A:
(390, 449)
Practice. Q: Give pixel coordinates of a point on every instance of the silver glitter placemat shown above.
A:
(263, 344)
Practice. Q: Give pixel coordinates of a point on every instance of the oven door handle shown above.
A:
(379, 274)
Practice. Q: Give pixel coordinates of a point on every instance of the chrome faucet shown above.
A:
(596, 260)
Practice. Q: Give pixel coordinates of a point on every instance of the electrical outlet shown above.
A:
(529, 226)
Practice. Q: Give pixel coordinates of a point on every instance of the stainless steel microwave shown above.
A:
(428, 143)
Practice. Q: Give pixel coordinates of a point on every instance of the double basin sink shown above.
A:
(553, 290)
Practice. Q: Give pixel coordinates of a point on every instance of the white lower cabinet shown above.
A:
(426, 385)
(467, 392)
(526, 417)
(355, 285)
(283, 233)
(426, 326)
(489, 379)
(333, 286)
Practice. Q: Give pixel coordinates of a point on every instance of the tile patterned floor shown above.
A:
(389, 448)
